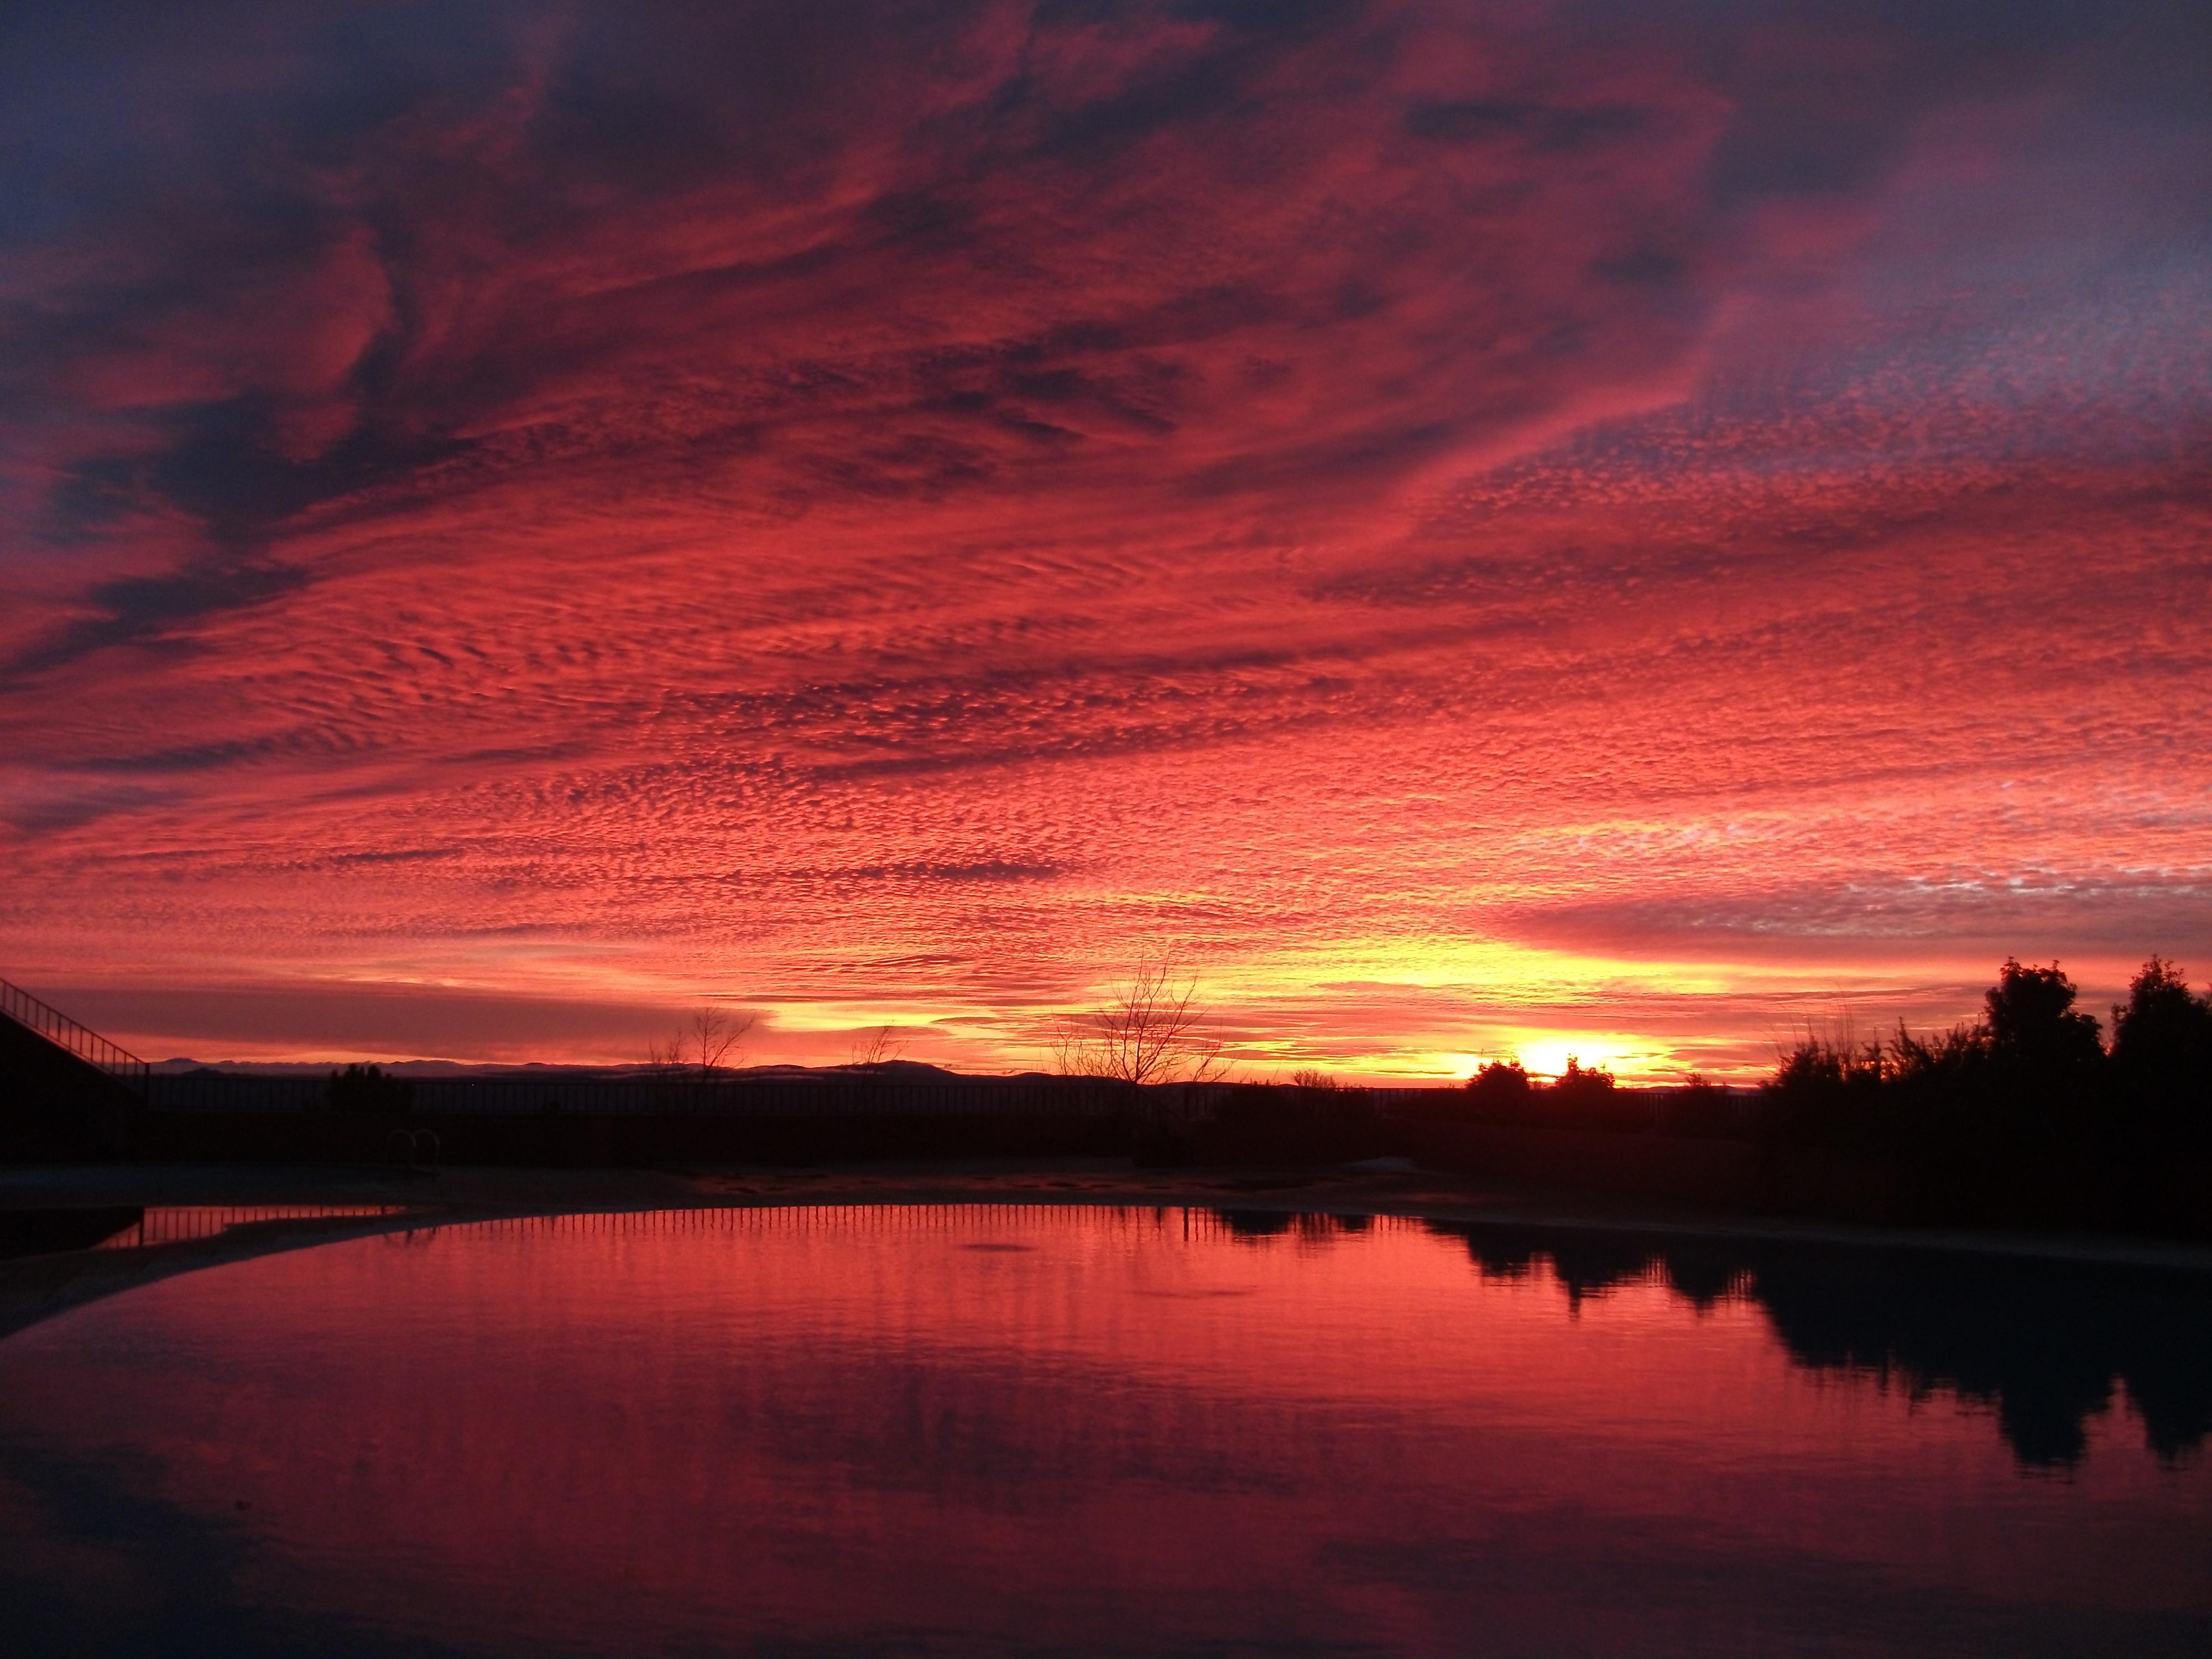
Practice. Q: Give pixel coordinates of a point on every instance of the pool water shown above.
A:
(977, 1430)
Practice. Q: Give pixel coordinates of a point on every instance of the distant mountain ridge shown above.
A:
(182, 1065)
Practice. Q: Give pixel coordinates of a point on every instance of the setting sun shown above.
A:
(1105, 828)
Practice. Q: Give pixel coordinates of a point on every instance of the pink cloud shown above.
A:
(1538, 524)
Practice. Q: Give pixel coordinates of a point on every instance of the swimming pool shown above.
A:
(976, 1429)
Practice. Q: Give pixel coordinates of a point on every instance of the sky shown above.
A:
(1621, 530)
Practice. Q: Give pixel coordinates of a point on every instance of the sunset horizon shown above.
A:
(285, 1025)
(1106, 828)
(1628, 533)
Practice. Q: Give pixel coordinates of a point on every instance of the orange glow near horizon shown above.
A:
(1474, 538)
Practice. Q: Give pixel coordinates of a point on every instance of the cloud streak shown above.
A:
(908, 511)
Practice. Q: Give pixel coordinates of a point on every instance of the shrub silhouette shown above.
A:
(2161, 1059)
(1582, 1084)
(368, 1089)
(1587, 1098)
(2022, 1117)
(1501, 1090)
(1700, 1108)
(1581, 1097)
(2033, 1023)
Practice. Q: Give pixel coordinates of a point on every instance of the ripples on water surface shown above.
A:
(1089, 1431)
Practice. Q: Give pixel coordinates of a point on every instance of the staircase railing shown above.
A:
(87, 1044)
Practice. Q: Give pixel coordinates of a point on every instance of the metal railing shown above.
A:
(188, 1223)
(81, 1041)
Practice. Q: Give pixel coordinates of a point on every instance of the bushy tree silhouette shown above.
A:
(1501, 1092)
(2164, 1029)
(2023, 1116)
(2162, 1058)
(1587, 1098)
(2032, 1022)
(1501, 1083)
(1580, 1087)
(361, 1088)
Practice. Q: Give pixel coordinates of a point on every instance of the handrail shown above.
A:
(81, 1041)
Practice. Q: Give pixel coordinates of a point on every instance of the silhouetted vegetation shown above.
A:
(2028, 1090)
(1309, 1101)
(2161, 1059)
(1149, 1031)
(703, 1045)
(1500, 1089)
(368, 1089)
(2024, 1115)
(1698, 1108)
(2042, 1345)
(875, 1050)
(1580, 1097)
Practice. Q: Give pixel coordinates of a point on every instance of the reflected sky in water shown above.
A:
(1090, 1430)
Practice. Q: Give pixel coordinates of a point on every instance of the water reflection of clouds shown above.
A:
(843, 1430)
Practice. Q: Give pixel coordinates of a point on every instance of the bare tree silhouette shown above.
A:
(706, 1041)
(877, 1048)
(714, 1034)
(1150, 1030)
(665, 1060)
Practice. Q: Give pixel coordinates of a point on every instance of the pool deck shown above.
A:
(461, 1194)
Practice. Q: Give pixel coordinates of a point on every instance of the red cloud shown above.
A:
(1375, 497)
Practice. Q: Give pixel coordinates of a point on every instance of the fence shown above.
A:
(64, 1033)
(581, 1095)
(187, 1223)
(1661, 1108)
(830, 1094)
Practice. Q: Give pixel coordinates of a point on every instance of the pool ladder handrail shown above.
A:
(44, 1019)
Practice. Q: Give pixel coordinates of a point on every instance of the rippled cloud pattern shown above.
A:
(1569, 528)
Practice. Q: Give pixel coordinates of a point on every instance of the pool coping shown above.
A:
(454, 1196)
